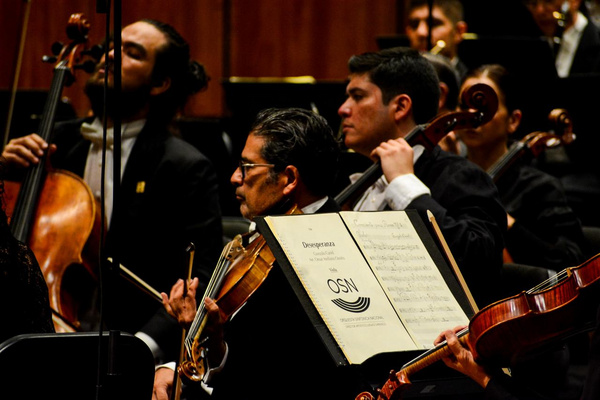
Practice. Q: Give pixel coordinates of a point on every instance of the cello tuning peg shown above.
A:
(88, 66)
(56, 48)
(95, 52)
(49, 59)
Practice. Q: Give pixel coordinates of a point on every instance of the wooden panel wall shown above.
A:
(230, 37)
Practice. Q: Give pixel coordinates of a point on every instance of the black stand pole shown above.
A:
(430, 25)
(106, 384)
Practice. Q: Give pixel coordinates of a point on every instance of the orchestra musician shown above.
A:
(498, 385)
(543, 230)
(575, 39)
(23, 290)
(272, 349)
(168, 188)
(447, 29)
(389, 93)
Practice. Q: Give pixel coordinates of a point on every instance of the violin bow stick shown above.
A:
(138, 282)
(450, 257)
(176, 393)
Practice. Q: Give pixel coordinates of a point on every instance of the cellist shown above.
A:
(389, 93)
(272, 349)
(169, 189)
(543, 230)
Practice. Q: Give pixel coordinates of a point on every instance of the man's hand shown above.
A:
(396, 158)
(180, 305)
(462, 358)
(25, 151)
(163, 384)
(215, 332)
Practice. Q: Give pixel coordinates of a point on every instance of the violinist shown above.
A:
(543, 230)
(389, 93)
(273, 351)
(23, 290)
(498, 385)
(168, 189)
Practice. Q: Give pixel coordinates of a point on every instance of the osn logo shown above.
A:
(359, 305)
(348, 286)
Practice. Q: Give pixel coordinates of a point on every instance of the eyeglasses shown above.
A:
(244, 166)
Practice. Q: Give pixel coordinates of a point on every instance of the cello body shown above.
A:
(54, 212)
(63, 222)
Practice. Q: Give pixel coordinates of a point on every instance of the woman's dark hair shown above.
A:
(503, 79)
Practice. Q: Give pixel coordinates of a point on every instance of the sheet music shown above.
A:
(407, 272)
(341, 285)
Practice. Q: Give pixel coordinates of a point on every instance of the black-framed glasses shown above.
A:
(243, 166)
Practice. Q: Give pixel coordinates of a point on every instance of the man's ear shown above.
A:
(160, 86)
(401, 105)
(292, 178)
(444, 90)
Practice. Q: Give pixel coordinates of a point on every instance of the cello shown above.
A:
(535, 143)
(508, 329)
(481, 103)
(53, 211)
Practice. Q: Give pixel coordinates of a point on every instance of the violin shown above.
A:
(240, 272)
(54, 211)
(535, 143)
(481, 103)
(502, 332)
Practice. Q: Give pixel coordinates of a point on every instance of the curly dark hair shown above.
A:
(173, 61)
(302, 138)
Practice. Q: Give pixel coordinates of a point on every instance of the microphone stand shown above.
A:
(106, 387)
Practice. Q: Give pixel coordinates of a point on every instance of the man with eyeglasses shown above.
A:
(290, 157)
(575, 40)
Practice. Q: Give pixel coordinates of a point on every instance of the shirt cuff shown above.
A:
(403, 190)
(151, 343)
(215, 371)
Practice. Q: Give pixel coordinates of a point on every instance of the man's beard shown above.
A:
(132, 101)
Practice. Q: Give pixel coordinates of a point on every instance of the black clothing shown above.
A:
(23, 291)
(587, 55)
(275, 352)
(466, 206)
(546, 233)
(153, 224)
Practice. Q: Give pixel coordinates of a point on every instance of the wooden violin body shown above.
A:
(509, 329)
(243, 270)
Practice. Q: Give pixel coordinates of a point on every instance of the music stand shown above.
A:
(65, 366)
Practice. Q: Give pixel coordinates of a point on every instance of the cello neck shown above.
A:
(515, 151)
(348, 197)
(26, 203)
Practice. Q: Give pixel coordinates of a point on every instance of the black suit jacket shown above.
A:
(275, 352)
(152, 226)
(587, 55)
(467, 207)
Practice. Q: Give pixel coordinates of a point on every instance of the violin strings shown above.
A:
(213, 284)
(550, 282)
